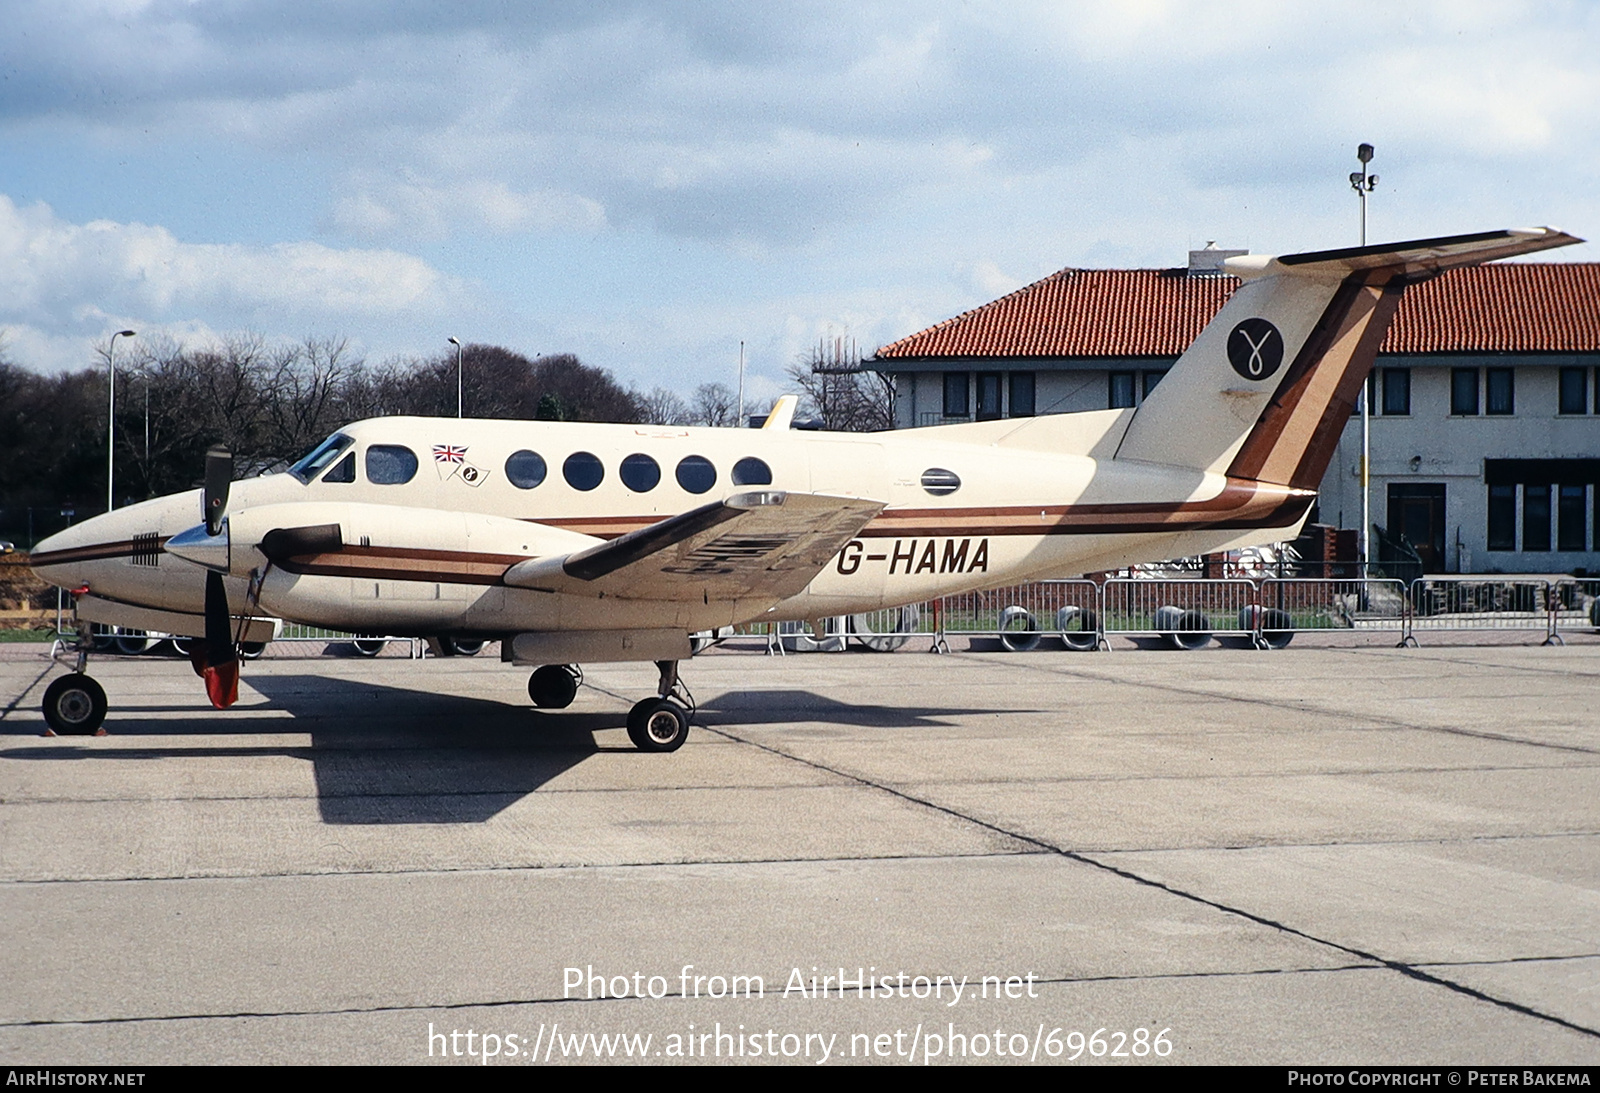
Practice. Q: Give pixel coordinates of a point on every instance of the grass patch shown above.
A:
(27, 635)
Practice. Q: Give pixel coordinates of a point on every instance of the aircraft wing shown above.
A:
(765, 544)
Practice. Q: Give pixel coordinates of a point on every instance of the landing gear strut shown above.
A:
(74, 705)
(661, 723)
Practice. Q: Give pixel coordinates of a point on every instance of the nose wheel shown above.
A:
(75, 705)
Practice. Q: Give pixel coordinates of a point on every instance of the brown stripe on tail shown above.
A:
(1295, 437)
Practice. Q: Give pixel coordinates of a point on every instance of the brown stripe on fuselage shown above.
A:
(1295, 437)
(94, 552)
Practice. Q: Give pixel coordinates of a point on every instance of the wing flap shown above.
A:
(764, 544)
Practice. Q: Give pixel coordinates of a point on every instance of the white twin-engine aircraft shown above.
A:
(577, 542)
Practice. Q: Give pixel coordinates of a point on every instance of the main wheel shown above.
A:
(75, 705)
(462, 647)
(553, 687)
(369, 647)
(658, 724)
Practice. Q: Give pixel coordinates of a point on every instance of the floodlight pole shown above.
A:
(739, 421)
(1362, 183)
(458, 376)
(111, 418)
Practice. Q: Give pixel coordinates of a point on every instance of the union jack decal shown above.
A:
(449, 453)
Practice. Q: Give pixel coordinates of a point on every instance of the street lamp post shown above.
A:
(458, 375)
(111, 418)
(1362, 183)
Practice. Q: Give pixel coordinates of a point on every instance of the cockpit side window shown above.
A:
(320, 456)
(344, 472)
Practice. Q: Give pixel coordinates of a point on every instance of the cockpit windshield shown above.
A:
(323, 454)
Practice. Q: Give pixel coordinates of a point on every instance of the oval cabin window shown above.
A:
(583, 471)
(390, 464)
(525, 469)
(696, 474)
(940, 482)
(640, 473)
(751, 471)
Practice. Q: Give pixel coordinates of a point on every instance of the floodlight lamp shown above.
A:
(1364, 153)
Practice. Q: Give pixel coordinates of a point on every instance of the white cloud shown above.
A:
(407, 208)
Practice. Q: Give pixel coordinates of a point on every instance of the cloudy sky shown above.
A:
(646, 184)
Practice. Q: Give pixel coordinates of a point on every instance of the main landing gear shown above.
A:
(74, 705)
(659, 723)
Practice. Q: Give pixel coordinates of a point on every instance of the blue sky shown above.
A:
(646, 184)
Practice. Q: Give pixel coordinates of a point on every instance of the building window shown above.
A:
(988, 396)
(1120, 390)
(1569, 517)
(1502, 518)
(1151, 379)
(1396, 392)
(1502, 391)
(1463, 391)
(1574, 391)
(1535, 517)
(955, 394)
(1022, 394)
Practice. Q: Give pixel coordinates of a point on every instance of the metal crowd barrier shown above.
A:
(369, 645)
(1478, 603)
(1575, 605)
(1291, 605)
(1021, 616)
(1186, 612)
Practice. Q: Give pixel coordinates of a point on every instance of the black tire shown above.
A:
(1022, 639)
(553, 687)
(185, 646)
(369, 647)
(75, 705)
(658, 724)
(251, 650)
(131, 643)
(463, 647)
(1277, 627)
(1086, 637)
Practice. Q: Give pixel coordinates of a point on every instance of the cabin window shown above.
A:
(940, 482)
(640, 473)
(1463, 391)
(583, 471)
(751, 471)
(696, 474)
(1500, 387)
(391, 464)
(525, 469)
(320, 456)
(343, 471)
(1021, 394)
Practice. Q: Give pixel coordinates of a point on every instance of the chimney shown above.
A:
(1208, 262)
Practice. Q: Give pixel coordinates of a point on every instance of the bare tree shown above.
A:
(664, 407)
(840, 393)
(714, 404)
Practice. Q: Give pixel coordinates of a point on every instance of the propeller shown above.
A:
(216, 659)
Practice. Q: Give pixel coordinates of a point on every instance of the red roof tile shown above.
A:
(1510, 307)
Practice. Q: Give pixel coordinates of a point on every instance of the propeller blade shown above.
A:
(216, 659)
(219, 473)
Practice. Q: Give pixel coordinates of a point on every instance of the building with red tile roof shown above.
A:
(1485, 397)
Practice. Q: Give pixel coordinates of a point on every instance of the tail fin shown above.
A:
(1268, 386)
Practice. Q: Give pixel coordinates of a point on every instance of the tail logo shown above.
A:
(1255, 349)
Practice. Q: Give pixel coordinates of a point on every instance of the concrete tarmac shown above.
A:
(1343, 855)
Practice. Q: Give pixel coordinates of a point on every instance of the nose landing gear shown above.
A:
(74, 705)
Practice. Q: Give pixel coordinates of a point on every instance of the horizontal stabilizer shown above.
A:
(1412, 257)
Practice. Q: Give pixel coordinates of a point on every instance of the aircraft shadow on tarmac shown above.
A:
(389, 755)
